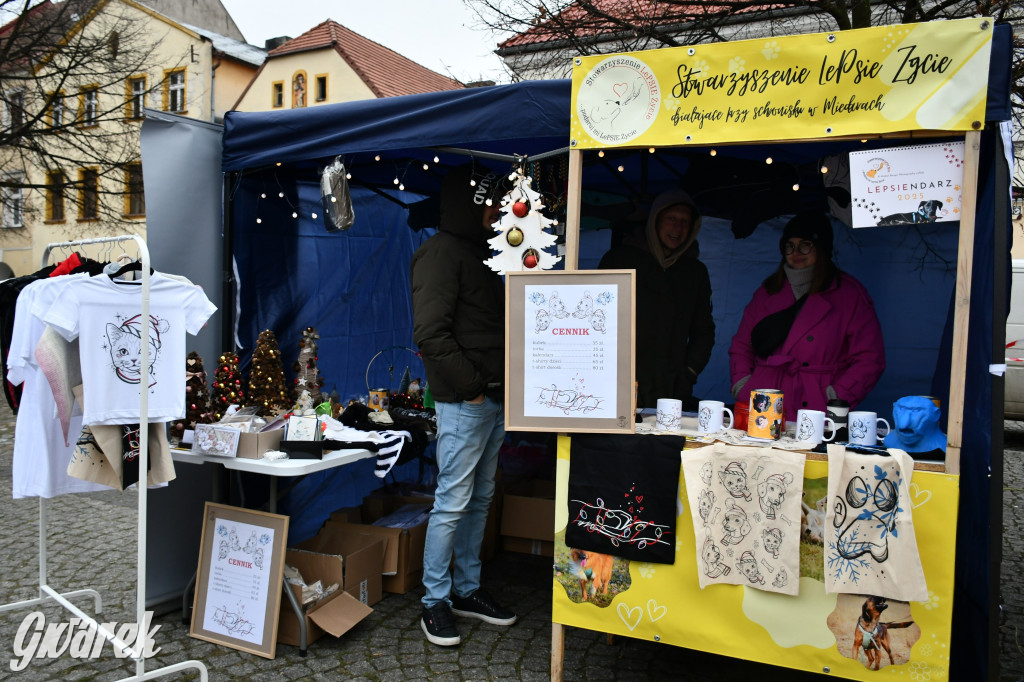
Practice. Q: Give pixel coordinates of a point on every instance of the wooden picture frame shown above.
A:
(238, 584)
(576, 329)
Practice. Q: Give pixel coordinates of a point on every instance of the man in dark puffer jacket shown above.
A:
(459, 326)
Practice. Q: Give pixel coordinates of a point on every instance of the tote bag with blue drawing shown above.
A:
(622, 495)
(870, 547)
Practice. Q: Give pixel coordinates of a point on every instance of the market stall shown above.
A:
(809, 102)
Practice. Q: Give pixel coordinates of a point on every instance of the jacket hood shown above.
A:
(663, 201)
(463, 203)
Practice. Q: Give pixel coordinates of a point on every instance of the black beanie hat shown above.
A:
(813, 226)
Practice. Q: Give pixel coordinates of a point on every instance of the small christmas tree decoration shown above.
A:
(268, 392)
(523, 237)
(197, 398)
(227, 386)
(307, 374)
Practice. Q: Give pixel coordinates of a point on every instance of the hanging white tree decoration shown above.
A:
(522, 240)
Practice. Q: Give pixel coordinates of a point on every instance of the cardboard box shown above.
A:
(361, 558)
(527, 546)
(337, 614)
(253, 445)
(403, 554)
(528, 513)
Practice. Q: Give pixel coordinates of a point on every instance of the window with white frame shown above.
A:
(136, 97)
(57, 113)
(90, 106)
(174, 89)
(12, 196)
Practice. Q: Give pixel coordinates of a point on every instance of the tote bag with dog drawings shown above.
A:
(745, 505)
(622, 495)
(870, 547)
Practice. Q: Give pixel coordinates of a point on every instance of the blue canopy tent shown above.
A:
(353, 285)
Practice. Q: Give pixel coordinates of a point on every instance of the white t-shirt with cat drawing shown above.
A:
(105, 317)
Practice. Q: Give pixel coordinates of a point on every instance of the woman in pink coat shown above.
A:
(810, 330)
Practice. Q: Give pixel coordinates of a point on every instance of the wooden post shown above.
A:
(572, 210)
(962, 302)
(557, 651)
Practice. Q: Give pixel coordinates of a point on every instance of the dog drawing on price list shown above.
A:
(872, 635)
(593, 568)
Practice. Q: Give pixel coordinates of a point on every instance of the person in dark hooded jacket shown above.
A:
(459, 326)
(675, 332)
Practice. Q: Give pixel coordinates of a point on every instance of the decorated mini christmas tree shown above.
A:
(227, 386)
(522, 240)
(307, 375)
(268, 391)
(197, 398)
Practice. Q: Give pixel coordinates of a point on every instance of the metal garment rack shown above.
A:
(47, 593)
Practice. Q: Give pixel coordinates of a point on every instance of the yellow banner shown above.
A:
(814, 631)
(931, 76)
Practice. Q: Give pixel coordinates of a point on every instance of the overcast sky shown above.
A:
(442, 35)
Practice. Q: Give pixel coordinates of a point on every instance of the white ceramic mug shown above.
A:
(864, 428)
(810, 426)
(670, 414)
(711, 416)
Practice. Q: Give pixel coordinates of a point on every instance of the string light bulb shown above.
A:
(376, 157)
(437, 160)
(278, 163)
(622, 168)
(472, 183)
(824, 169)
(714, 152)
(294, 214)
(396, 181)
(348, 176)
(334, 199)
(263, 195)
(796, 186)
(601, 153)
(314, 215)
(651, 150)
(280, 195)
(489, 202)
(401, 186)
(768, 161)
(259, 221)
(426, 166)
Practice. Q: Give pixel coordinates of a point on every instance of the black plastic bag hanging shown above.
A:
(337, 200)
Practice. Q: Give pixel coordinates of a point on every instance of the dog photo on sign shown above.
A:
(590, 577)
(873, 630)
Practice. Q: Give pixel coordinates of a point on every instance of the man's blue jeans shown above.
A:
(468, 438)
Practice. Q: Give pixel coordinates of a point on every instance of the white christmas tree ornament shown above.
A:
(522, 240)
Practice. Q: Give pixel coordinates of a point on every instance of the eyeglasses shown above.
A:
(804, 247)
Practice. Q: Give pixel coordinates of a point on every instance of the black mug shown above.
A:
(839, 411)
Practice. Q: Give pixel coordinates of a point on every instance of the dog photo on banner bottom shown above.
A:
(873, 630)
(590, 577)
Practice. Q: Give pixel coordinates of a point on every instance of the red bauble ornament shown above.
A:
(530, 260)
(520, 209)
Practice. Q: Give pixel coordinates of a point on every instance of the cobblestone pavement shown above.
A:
(92, 544)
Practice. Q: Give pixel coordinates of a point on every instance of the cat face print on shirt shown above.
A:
(124, 342)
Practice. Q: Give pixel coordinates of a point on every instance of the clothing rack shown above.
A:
(46, 592)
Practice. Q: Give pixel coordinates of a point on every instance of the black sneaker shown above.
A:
(481, 605)
(439, 626)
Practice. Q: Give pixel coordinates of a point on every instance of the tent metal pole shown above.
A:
(962, 302)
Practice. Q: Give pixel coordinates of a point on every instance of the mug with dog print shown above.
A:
(670, 414)
(711, 416)
(810, 426)
(864, 428)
